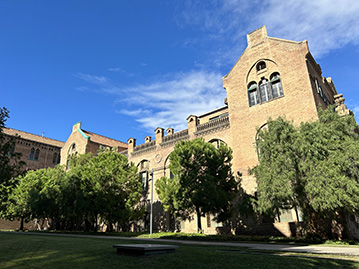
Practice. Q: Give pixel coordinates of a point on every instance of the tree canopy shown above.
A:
(203, 181)
(314, 166)
(10, 164)
(105, 187)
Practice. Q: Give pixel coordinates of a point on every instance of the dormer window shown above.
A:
(261, 66)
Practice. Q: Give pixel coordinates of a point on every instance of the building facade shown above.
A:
(273, 77)
(37, 151)
(81, 142)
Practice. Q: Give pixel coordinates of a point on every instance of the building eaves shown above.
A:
(33, 137)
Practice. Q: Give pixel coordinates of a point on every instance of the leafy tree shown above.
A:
(278, 173)
(115, 189)
(36, 195)
(10, 164)
(314, 166)
(203, 183)
(167, 188)
(75, 201)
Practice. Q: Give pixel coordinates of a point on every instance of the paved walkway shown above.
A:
(352, 250)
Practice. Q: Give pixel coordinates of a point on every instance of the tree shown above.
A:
(36, 195)
(314, 166)
(10, 164)
(115, 189)
(203, 181)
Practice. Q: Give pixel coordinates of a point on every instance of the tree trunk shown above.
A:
(199, 224)
(22, 224)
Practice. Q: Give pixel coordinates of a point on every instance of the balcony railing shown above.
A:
(144, 147)
(212, 126)
(173, 138)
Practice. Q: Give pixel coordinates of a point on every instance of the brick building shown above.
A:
(37, 151)
(81, 141)
(273, 77)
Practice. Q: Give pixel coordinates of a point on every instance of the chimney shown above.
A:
(192, 124)
(131, 144)
(170, 131)
(159, 135)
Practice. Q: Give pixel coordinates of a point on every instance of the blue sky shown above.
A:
(123, 68)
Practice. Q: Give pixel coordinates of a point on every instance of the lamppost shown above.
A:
(151, 174)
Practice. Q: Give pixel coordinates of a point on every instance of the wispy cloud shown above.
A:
(171, 99)
(98, 80)
(101, 83)
(121, 71)
(326, 24)
(167, 101)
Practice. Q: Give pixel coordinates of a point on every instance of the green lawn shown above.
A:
(45, 251)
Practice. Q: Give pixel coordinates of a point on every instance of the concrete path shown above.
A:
(351, 250)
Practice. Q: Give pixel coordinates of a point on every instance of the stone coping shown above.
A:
(144, 249)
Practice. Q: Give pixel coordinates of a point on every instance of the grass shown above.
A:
(220, 238)
(21, 250)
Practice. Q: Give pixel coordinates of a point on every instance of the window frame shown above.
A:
(264, 91)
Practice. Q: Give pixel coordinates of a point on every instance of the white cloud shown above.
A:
(97, 80)
(171, 99)
(326, 24)
(167, 101)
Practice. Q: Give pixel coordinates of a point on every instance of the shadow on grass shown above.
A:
(34, 251)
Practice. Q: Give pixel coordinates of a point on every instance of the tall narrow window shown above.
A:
(253, 98)
(37, 153)
(144, 168)
(264, 91)
(32, 152)
(54, 158)
(144, 178)
(276, 84)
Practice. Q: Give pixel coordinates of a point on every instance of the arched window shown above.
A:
(37, 154)
(253, 97)
(58, 158)
(54, 158)
(143, 168)
(276, 84)
(32, 152)
(264, 90)
(261, 65)
(168, 173)
(216, 143)
(263, 128)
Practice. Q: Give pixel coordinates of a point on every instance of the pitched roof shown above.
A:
(103, 140)
(33, 137)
